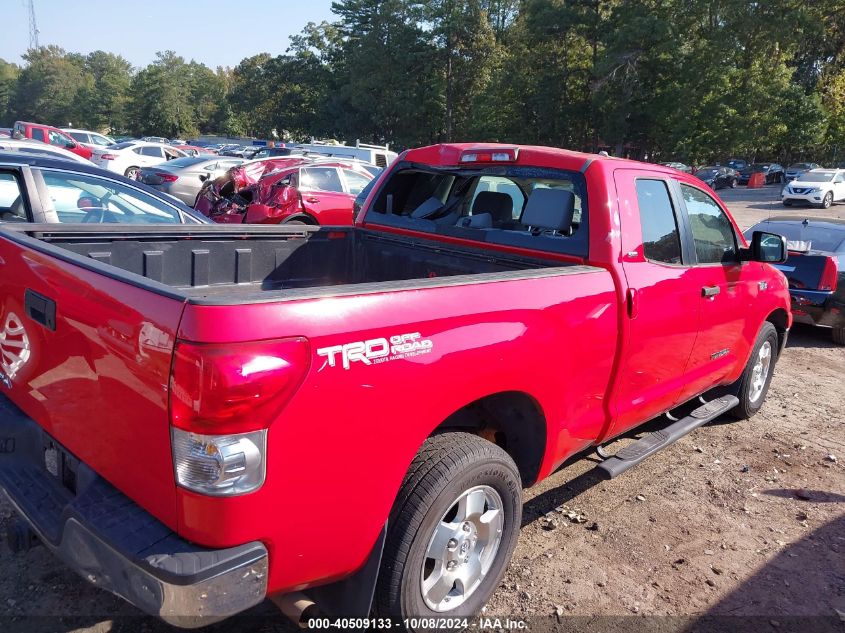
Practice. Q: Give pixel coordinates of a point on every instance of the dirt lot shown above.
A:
(735, 527)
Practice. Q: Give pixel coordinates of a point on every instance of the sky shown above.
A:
(213, 32)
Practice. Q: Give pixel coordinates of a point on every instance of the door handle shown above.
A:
(312, 200)
(710, 291)
(40, 309)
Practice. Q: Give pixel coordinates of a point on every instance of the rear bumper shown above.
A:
(815, 307)
(115, 544)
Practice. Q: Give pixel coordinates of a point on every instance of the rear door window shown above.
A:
(38, 134)
(355, 181)
(12, 208)
(661, 237)
(321, 179)
(77, 197)
(152, 151)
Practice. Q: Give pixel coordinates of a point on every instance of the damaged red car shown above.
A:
(289, 189)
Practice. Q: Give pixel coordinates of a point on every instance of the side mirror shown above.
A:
(769, 248)
(204, 177)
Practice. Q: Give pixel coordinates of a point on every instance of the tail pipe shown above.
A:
(298, 607)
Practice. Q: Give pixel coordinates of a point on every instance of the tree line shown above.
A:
(694, 80)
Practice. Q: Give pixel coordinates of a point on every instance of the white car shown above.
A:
(37, 148)
(128, 158)
(820, 187)
(94, 140)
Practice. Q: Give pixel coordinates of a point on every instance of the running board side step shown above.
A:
(633, 454)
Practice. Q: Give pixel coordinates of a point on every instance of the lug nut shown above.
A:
(452, 544)
(451, 565)
(465, 527)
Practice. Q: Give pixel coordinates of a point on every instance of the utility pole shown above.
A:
(33, 27)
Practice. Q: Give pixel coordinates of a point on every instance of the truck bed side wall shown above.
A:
(338, 452)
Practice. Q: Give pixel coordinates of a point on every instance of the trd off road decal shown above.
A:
(376, 350)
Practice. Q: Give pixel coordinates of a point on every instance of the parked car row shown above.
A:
(737, 171)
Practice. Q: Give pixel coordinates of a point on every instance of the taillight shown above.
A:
(108, 157)
(234, 387)
(167, 177)
(830, 275)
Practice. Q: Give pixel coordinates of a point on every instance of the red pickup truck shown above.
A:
(200, 417)
(52, 136)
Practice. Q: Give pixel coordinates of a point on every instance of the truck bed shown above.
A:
(218, 265)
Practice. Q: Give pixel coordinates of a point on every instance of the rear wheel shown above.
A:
(132, 173)
(733, 183)
(828, 200)
(839, 335)
(452, 529)
(753, 385)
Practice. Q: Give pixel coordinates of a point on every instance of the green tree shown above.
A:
(162, 98)
(8, 79)
(386, 82)
(48, 87)
(104, 99)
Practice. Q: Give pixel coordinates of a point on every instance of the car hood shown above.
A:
(801, 183)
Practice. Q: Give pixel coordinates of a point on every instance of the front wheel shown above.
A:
(839, 335)
(451, 531)
(733, 183)
(828, 200)
(753, 385)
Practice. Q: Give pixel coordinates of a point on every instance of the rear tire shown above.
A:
(733, 183)
(753, 385)
(839, 335)
(439, 552)
(132, 173)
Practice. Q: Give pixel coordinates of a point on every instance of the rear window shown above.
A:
(186, 161)
(830, 239)
(489, 205)
(121, 145)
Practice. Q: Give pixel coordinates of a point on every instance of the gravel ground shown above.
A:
(738, 524)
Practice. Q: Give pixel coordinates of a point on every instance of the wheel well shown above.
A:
(302, 217)
(512, 420)
(779, 319)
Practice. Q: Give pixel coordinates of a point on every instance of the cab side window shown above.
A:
(38, 134)
(661, 237)
(715, 240)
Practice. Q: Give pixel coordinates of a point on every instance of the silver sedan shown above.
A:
(184, 177)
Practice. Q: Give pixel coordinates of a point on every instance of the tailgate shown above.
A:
(88, 358)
